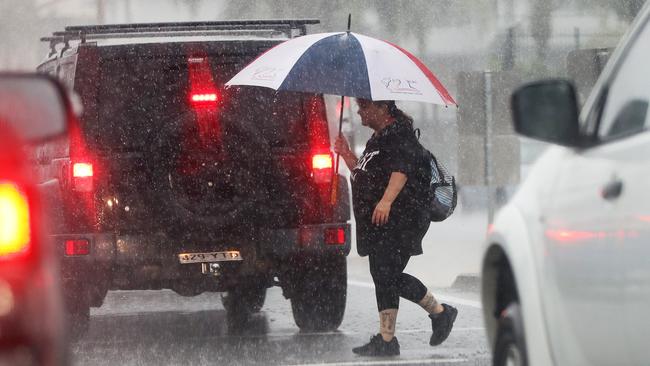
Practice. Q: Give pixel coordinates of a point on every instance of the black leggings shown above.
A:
(387, 270)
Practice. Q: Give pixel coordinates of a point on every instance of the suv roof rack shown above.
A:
(291, 27)
(276, 24)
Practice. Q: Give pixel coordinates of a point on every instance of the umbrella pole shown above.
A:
(335, 173)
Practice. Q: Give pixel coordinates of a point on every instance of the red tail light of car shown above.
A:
(204, 96)
(199, 99)
(15, 231)
(335, 236)
(77, 247)
(321, 165)
(203, 92)
(82, 170)
(82, 176)
(321, 157)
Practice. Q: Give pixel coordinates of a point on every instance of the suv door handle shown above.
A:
(612, 190)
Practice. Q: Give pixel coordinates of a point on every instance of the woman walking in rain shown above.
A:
(390, 226)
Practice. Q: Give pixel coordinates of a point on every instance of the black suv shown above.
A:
(170, 181)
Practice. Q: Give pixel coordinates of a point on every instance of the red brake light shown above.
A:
(77, 247)
(203, 91)
(335, 236)
(15, 234)
(82, 177)
(203, 98)
(321, 165)
(321, 161)
(82, 170)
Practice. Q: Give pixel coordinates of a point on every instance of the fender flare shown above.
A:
(510, 242)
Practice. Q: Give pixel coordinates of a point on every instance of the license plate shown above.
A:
(232, 255)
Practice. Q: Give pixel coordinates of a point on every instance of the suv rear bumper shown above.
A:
(150, 261)
(309, 239)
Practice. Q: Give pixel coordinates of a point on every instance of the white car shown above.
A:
(566, 271)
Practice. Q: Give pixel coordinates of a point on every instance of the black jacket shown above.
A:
(393, 149)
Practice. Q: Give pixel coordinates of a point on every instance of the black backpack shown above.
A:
(439, 187)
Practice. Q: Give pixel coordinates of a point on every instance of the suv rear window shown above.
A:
(137, 97)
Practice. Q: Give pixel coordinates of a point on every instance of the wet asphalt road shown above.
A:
(162, 328)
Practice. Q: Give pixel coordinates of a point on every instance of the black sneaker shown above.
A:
(378, 347)
(442, 323)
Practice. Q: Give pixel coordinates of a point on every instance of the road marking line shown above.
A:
(81, 344)
(467, 329)
(426, 361)
(451, 299)
(348, 332)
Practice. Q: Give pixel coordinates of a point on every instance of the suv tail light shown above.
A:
(203, 98)
(335, 236)
(77, 247)
(82, 176)
(321, 159)
(15, 233)
(321, 165)
(202, 85)
(82, 170)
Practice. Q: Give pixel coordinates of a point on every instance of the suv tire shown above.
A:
(319, 294)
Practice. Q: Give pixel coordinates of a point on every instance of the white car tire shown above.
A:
(510, 346)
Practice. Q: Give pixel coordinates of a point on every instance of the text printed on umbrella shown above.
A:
(401, 86)
(265, 73)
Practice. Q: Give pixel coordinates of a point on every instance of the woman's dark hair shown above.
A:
(396, 112)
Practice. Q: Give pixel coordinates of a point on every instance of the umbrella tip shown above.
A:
(349, 21)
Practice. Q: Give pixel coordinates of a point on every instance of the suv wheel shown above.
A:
(319, 295)
(510, 347)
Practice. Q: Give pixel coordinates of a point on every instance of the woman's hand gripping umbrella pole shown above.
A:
(335, 172)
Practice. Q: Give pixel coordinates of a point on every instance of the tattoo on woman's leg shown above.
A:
(429, 303)
(387, 320)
